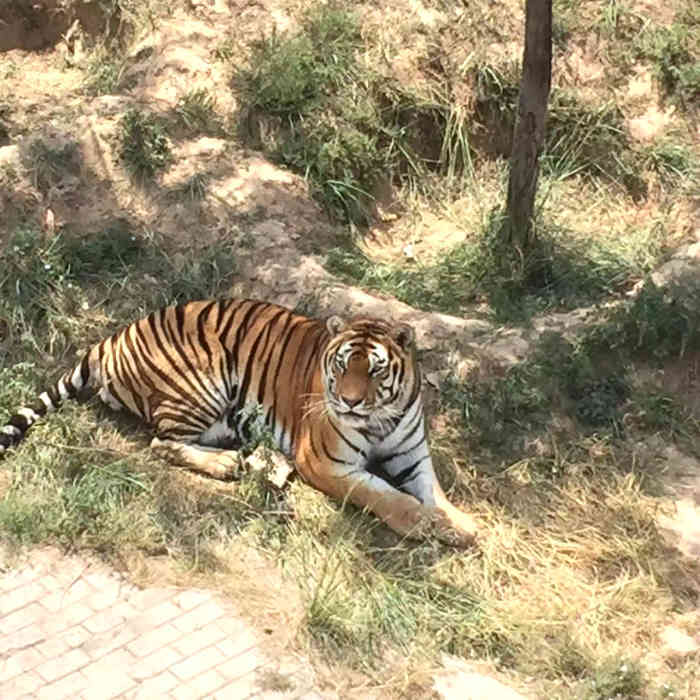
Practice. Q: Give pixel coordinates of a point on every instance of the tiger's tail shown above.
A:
(67, 387)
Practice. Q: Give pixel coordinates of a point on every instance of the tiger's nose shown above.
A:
(352, 401)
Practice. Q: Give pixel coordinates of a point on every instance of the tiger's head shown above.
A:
(370, 373)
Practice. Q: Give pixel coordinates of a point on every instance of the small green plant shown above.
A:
(9, 69)
(308, 86)
(196, 112)
(675, 163)
(144, 144)
(581, 139)
(224, 50)
(281, 80)
(674, 53)
(32, 268)
(617, 681)
(104, 72)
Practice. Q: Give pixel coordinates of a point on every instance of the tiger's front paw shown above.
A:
(455, 528)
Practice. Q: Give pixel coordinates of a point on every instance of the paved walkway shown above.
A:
(70, 627)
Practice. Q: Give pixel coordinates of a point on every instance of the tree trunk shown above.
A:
(528, 136)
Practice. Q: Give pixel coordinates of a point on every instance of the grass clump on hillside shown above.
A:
(49, 161)
(105, 71)
(339, 123)
(580, 138)
(674, 52)
(144, 143)
(307, 85)
(196, 112)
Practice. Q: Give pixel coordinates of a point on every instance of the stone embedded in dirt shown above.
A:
(650, 124)
(678, 642)
(458, 680)
(272, 464)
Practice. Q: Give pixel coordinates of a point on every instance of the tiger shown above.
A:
(342, 399)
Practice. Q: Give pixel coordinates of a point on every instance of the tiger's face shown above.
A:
(369, 371)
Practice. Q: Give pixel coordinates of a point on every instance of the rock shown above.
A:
(274, 465)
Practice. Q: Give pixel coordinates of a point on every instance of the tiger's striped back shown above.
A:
(186, 367)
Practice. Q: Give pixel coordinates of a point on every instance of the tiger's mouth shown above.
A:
(373, 418)
(359, 413)
(353, 414)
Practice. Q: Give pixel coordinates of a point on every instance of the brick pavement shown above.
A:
(73, 628)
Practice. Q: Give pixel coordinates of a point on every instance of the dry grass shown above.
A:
(561, 459)
(572, 573)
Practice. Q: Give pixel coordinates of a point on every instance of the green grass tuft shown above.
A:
(105, 72)
(617, 679)
(196, 112)
(674, 52)
(144, 143)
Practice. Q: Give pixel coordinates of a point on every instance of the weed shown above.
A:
(9, 69)
(111, 252)
(562, 24)
(580, 139)
(288, 74)
(202, 278)
(144, 144)
(308, 84)
(675, 163)
(224, 50)
(104, 72)
(34, 275)
(617, 680)
(674, 53)
(345, 129)
(281, 80)
(8, 173)
(659, 323)
(196, 112)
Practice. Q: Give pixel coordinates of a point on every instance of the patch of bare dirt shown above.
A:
(425, 240)
(649, 125)
(459, 680)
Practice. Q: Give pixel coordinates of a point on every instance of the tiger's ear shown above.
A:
(404, 335)
(335, 324)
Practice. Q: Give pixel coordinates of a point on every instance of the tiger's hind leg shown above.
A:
(212, 461)
(194, 438)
